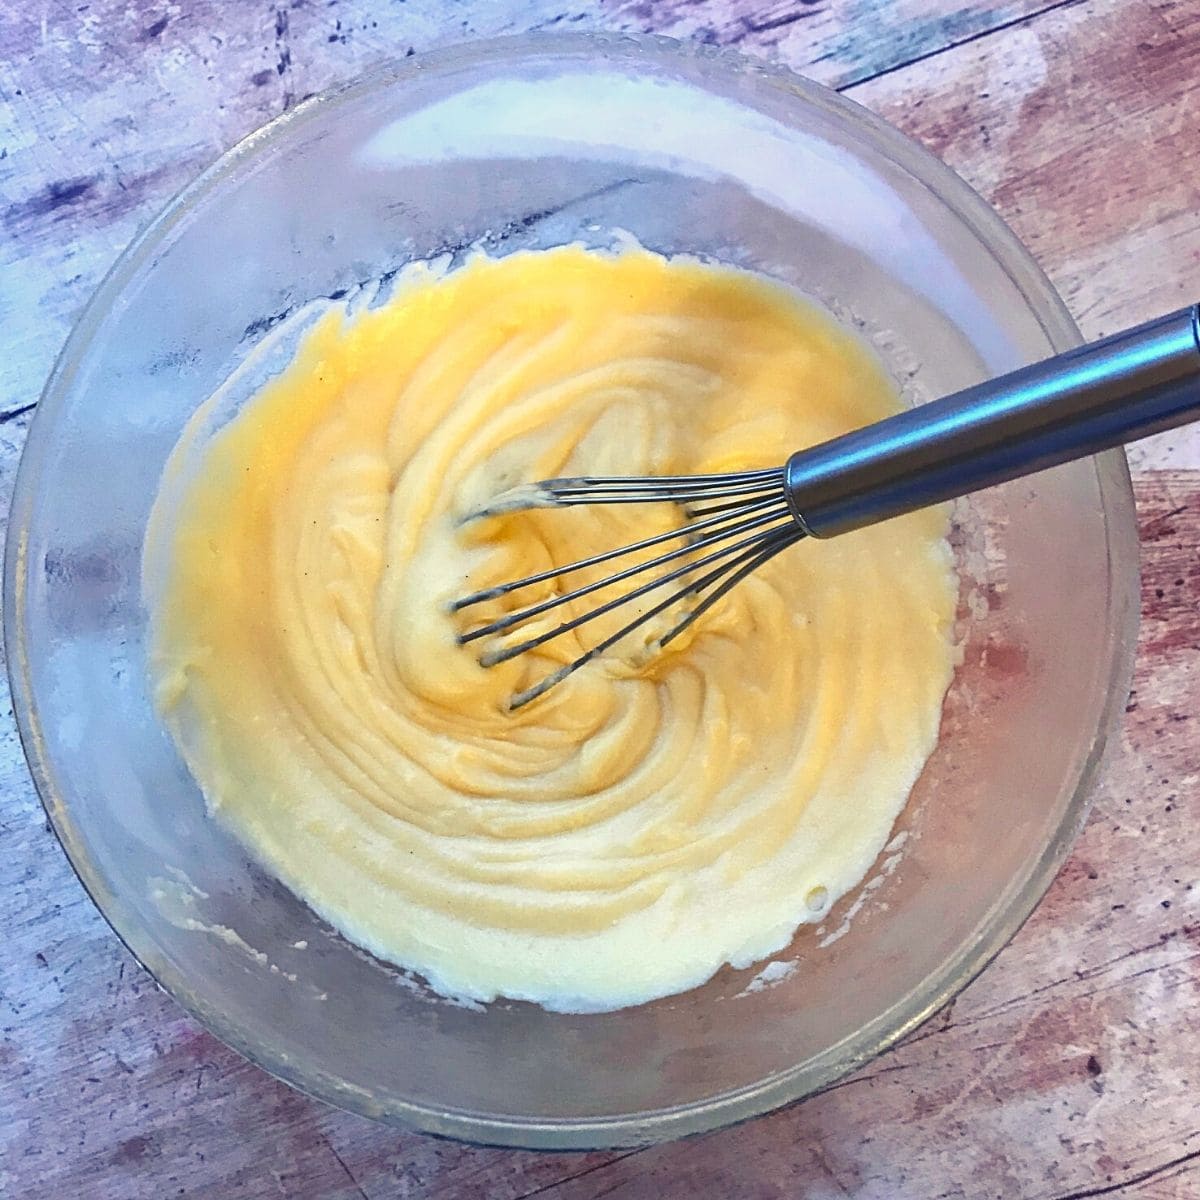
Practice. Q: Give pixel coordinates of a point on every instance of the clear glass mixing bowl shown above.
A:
(533, 142)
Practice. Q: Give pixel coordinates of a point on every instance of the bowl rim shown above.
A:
(1008, 912)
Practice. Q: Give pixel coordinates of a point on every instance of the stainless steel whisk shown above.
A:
(1128, 386)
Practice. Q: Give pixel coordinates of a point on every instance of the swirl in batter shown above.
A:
(649, 819)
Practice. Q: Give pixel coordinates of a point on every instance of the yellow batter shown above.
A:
(646, 821)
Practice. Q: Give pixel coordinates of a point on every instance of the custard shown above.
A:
(654, 816)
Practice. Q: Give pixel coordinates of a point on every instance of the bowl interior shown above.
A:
(508, 145)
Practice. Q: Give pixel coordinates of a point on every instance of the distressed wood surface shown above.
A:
(1070, 1068)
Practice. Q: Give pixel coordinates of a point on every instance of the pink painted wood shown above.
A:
(1069, 1069)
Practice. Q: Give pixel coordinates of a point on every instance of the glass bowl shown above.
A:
(535, 142)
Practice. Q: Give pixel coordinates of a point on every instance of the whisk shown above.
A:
(1127, 386)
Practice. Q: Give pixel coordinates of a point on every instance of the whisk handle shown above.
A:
(1092, 398)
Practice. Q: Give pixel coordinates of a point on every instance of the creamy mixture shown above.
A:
(652, 817)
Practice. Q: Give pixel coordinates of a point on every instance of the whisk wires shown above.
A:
(736, 523)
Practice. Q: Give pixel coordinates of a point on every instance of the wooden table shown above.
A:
(1071, 1068)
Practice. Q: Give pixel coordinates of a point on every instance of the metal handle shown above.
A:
(1125, 387)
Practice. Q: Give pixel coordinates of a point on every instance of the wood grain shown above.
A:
(1082, 127)
(838, 44)
(1068, 1069)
